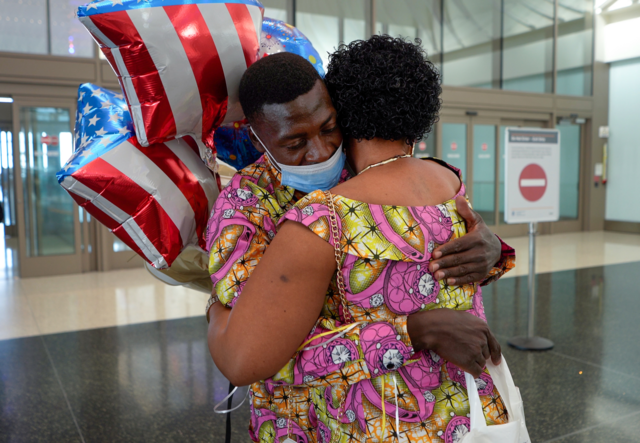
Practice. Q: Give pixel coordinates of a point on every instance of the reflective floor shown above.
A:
(155, 381)
(577, 250)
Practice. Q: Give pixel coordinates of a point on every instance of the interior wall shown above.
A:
(623, 202)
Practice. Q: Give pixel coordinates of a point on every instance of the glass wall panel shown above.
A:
(412, 19)
(484, 172)
(527, 63)
(327, 23)
(454, 146)
(426, 147)
(276, 9)
(23, 26)
(68, 36)
(49, 212)
(575, 47)
(471, 43)
(569, 170)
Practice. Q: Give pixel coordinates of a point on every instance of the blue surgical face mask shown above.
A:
(323, 176)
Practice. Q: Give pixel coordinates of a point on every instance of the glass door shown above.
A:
(484, 170)
(50, 232)
(572, 168)
(470, 144)
(8, 224)
(454, 145)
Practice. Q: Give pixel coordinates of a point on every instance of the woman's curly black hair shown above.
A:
(384, 87)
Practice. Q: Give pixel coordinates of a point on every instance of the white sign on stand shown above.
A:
(532, 175)
(532, 195)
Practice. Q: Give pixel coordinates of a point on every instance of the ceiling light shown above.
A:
(6, 100)
(620, 4)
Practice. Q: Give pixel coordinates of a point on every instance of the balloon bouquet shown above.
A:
(145, 160)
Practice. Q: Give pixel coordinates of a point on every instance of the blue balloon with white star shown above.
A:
(103, 122)
(278, 36)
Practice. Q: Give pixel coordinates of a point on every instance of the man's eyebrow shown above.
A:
(333, 114)
(294, 136)
(303, 134)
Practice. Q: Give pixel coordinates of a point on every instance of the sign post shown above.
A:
(532, 195)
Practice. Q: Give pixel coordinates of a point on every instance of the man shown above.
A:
(294, 123)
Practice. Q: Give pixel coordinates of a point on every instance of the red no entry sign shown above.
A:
(532, 182)
(49, 139)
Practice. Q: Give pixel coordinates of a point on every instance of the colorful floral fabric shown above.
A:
(370, 363)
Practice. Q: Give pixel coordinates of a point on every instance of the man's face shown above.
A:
(301, 132)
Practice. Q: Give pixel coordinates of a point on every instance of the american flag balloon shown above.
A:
(156, 199)
(179, 62)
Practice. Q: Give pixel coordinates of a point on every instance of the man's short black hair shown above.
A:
(275, 79)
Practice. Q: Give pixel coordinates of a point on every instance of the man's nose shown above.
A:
(319, 151)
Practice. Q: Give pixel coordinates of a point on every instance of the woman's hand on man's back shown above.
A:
(457, 336)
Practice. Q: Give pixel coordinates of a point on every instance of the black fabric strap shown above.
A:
(227, 438)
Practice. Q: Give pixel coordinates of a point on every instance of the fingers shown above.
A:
(494, 347)
(473, 277)
(477, 367)
(455, 246)
(486, 353)
(470, 216)
(461, 273)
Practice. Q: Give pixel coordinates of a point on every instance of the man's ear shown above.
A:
(255, 141)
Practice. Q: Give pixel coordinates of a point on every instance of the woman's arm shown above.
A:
(279, 305)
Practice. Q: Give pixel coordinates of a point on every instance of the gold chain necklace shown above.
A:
(384, 162)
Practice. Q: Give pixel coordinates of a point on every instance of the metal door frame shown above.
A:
(80, 260)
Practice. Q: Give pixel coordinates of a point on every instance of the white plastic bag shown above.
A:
(513, 432)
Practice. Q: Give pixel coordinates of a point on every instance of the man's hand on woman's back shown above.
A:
(467, 259)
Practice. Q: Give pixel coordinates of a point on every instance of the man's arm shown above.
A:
(479, 256)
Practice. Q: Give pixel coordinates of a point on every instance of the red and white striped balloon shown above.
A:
(156, 199)
(179, 62)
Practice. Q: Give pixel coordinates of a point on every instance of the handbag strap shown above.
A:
(333, 224)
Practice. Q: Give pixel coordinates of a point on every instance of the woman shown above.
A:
(355, 376)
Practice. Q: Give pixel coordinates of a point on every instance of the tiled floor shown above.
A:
(120, 356)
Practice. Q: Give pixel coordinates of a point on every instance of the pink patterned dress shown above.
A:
(362, 381)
